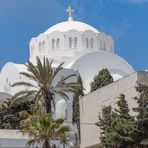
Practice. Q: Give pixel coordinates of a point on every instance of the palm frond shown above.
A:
(19, 100)
(62, 94)
(57, 70)
(28, 75)
(25, 92)
(31, 142)
(66, 78)
(23, 83)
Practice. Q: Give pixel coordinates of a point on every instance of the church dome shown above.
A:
(71, 25)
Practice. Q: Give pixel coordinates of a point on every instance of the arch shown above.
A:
(92, 43)
(75, 42)
(61, 108)
(104, 45)
(43, 45)
(40, 46)
(70, 42)
(87, 43)
(58, 43)
(32, 49)
(53, 43)
(100, 44)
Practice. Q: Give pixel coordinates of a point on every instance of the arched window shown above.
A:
(70, 42)
(32, 49)
(57, 43)
(53, 43)
(104, 45)
(75, 42)
(101, 44)
(91, 43)
(40, 47)
(43, 45)
(87, 43)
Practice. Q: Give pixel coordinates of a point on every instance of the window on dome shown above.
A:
(32, 50)
(58, 43)
(104, 45)
(40, 47)
(101, 46)
(92, 43)
(87, 43)
(53, 43)
(70, 42)
(43, 45)
(75, 42)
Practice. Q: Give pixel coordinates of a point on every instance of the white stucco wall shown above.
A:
(92, 104)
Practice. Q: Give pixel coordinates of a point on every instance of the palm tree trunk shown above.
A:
(48, 99)
(46, 144)
(48, 106)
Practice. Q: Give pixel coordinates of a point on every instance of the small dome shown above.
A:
(71, 25)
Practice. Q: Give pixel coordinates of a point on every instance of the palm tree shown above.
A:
(42, 128)
(41, 85)
(64, 139)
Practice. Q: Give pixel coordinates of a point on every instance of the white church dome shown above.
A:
(71, 25)
(90, 64)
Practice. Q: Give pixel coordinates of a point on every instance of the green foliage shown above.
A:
(123, 109)
(10, 115)
(117, 126)
(76, 108)
(41, 86)
(141, 137)
(43, 128)
(102, 79)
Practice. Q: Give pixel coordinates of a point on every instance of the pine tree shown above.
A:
(141, 137)
(76, 108)
(104, 123)
(123, 109)
(117, 126)
(123, 124)
(102, 79)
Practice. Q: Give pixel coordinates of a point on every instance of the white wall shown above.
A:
(92, 104)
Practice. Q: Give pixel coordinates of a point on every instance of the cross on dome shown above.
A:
(70, 11)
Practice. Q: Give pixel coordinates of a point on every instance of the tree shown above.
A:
(42, 128)
(76, 107)
(141, 137)
(42, 90)
(118, 127)
(104, 123)
(102, 79)
(10, 115)
(64, 139)
(123, 109)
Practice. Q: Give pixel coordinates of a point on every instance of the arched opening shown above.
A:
(87, 43)
(75, 42)
(58, 43)
(53, 43)
(70, 42)
(43, 45)
(61, 109)
(91, 43)
(40, 47)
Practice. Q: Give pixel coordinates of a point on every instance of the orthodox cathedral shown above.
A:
(84, 49)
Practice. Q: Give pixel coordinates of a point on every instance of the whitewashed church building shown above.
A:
(84, 50)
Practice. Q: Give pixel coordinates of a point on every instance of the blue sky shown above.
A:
(125, 20)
